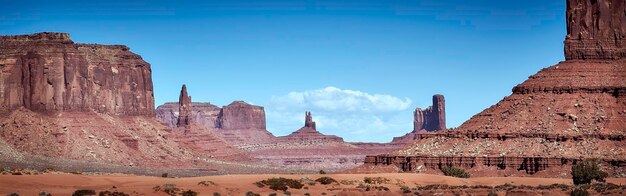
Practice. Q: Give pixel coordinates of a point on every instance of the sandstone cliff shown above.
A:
(431, 119)
(595, 29)
(48, 72)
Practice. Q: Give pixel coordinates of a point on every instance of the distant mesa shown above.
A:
(241, 115)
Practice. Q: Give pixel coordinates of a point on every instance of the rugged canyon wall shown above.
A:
(595, 29)
(48, 72)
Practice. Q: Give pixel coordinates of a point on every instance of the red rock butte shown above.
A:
(48, 72)
(572, 110)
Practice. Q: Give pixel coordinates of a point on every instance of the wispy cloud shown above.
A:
(352, 114)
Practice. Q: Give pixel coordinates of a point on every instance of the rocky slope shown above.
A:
(575, 109)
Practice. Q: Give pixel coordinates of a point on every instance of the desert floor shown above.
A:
(66, 184)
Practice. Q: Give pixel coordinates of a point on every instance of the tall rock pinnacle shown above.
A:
(432, 118)
(308, 121)
(184, 111)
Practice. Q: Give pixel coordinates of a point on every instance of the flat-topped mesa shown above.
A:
(48, 72)
(241, 115)
(596, 29)
(432, 118)
(184, 109)
(308, 121)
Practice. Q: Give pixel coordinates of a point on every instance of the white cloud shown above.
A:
(335, 99)
(354, 115)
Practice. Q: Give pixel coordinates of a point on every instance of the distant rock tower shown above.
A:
(308, 121)
(184, 109)
(432, 118)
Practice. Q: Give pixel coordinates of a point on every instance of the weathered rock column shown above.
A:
(184, 109)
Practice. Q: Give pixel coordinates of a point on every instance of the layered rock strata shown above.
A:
(527, 165)
(48, 72)
(572, 110)
(595, 29)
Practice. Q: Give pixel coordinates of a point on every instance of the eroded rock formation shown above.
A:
(309, 133)
(575, 109)
(596, 29)
(184, 109)
(308, 121)
(432, 118)
(48, 72)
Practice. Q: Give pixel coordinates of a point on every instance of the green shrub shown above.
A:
(259, 184)
(114, 193)
(405, 189)
(206, 183)
(376, 180)
(586, 171)
(43, 193)
(326, 180)
(322, 172)
(579, 192)
(250, 193)
(170, 189)
(189, 193)
(454, 172)
(84, 192)
(282, 183)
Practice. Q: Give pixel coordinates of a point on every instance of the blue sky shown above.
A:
(361, 67)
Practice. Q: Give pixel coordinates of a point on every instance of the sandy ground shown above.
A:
(65, 184)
